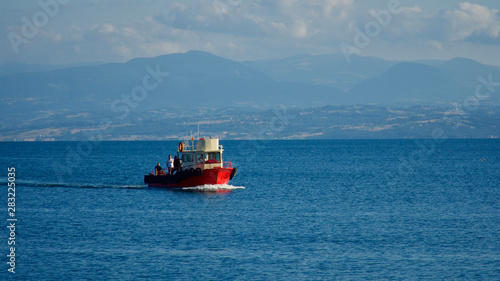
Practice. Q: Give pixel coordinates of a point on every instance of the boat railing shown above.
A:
(202, 164)
(188, 146)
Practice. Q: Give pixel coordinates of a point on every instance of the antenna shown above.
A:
(198, 130)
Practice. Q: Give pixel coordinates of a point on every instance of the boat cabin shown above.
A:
(203, 154)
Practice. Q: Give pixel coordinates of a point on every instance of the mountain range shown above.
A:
(197, 78)
(191, 81)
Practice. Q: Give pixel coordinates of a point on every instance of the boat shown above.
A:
(201, 164)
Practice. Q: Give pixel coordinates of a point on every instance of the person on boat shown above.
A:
(177, 163)
(158, 169)
(170, 165)
(201, 159)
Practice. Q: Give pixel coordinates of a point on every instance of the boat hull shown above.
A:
(186, 179)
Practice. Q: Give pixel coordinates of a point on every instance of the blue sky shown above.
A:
(72, 31)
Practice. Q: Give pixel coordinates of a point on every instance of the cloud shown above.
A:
(473, 19)
(467, 22)
(216, 16)
(299, 29)
(435, 44)
(290, 18)
(160, 47)
(106, 28)
(251, 29)
(330, 5)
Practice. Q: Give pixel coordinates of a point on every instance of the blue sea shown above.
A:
(296, 210)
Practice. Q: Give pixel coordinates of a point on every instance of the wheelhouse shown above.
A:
(203, 154)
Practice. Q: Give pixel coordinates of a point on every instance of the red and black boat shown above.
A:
(201, 164)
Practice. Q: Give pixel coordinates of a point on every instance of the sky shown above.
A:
(83, 31)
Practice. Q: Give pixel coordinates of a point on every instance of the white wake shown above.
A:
(214, 187)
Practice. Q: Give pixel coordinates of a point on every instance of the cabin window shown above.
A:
(214, 156)
(200, 158)
(187, 157)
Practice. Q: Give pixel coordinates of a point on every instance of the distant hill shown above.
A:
(409, 82)
(329, 70)
(11, 68)
(374, 80)
(466, 71)
(58, 102)
(198, 78)
(194, 79)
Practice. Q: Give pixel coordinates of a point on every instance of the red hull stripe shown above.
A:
(209, 176)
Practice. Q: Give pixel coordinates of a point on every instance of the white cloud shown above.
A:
(159, 48)
(473, 19)
(466, 22)
(329, 5)
(299, 29)
(415, 9)
(132, 34)
(107, 28)
(254, 29)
